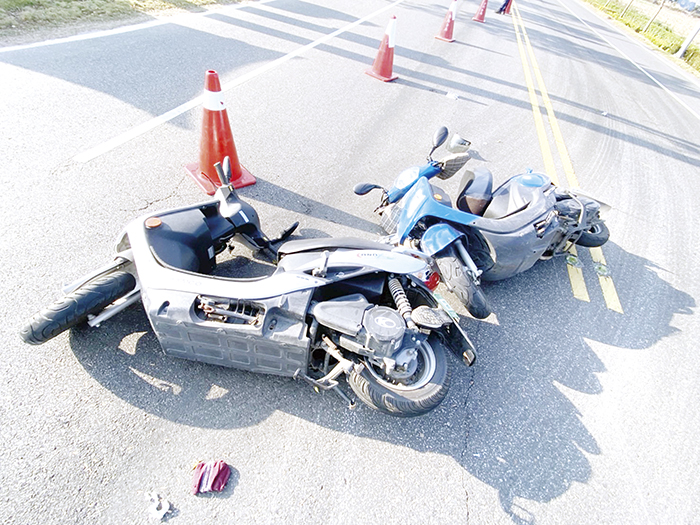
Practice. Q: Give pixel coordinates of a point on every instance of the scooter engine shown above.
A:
(383, 330)
(365, 329)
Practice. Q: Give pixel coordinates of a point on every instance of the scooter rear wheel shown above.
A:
(74, 308)
(466, 290)
(596, 236)
(412, 396)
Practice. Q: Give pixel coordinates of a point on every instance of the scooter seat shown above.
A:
(475, 191)
(351, 243)
(515, 195)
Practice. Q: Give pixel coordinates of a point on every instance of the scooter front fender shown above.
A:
(438, 237)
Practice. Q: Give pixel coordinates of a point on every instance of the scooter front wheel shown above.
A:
(410, 396)
(467, 291)
(74, 308)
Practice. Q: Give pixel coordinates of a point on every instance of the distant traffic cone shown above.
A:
(507, 9)
(384, 63)
(217, 142)
(479, 16)
(448, 24)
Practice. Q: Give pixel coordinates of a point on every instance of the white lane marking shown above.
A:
(165, 117)
(668, 91)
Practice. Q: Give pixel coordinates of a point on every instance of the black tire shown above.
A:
(597, 235)
(416, 396)
(74, 308)
(468, 292)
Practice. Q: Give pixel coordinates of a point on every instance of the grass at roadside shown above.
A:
(28, 15)
(658, 33)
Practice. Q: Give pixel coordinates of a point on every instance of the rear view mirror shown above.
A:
(365, 187)
(438, 139)
(458, 144)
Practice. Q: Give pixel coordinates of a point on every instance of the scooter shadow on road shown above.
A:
(508, 420)
(279, 196)
(526, 435)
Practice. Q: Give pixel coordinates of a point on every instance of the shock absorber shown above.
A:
(402, 303)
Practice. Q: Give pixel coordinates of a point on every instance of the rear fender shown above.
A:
(604, 207)
(450, 335)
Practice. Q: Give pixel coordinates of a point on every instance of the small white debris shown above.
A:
(159, 507)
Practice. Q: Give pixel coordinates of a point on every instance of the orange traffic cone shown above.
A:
(479, 16)
(448, 24)
(383, 64)
(217, 142)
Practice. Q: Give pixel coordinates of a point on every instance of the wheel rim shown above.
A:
(595, 229)
(427, 364)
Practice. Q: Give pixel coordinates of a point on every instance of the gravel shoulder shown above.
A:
(21, 36)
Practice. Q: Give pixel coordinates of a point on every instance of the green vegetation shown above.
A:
(21, 15)
(658, 33)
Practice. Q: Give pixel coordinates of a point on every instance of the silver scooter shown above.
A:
(332, 307)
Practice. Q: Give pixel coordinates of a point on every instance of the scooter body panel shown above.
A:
(518, 250)
(419, 204)
(276, 344)
(272, 334)
(408, 178)
(515, 244)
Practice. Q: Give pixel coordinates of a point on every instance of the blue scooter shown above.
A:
(487, 234)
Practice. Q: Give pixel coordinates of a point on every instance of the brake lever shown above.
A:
(384, 202)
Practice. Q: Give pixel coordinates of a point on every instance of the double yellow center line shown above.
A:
(527, 56)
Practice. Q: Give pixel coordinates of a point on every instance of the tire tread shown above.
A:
(395, 403)
(470, 295)
(74, 308)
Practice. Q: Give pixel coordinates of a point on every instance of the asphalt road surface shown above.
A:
(577, 411)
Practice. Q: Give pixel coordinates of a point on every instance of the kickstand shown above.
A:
(350, 403)
(328, 382)
(320, 386)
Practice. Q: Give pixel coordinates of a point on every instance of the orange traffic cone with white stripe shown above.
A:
(479, 16)
(448, 24)
(384, 63)
(217, 142)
